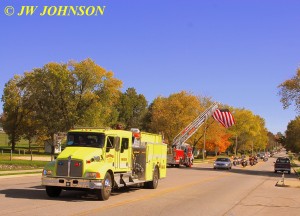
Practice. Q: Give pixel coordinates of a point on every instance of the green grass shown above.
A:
(21, 165)
(4, 142)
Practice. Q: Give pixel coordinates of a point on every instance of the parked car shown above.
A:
(222, 163)
(282, 164)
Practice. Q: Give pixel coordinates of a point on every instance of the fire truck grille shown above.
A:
(75, 168)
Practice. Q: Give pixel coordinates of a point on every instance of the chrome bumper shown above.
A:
(282, 169)
(72, 183)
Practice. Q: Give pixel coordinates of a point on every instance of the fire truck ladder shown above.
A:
(185, 134)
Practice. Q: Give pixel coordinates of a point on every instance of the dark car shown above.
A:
(282, 164)
(261, 155)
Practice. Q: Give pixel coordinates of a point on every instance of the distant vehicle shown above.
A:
(222, 163)
(236, 161)
(261, 155)
(282, 164)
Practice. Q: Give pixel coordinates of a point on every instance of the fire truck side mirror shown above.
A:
(117, 143)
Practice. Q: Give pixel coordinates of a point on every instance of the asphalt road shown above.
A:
(199, 190)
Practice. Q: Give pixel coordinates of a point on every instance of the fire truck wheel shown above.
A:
(53, 191)
(153, 184)
(104, 193)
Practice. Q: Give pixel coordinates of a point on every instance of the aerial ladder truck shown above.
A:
(180, 152)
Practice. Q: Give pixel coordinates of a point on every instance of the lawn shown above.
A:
(21, 162)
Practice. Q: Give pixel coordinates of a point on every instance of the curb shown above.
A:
(18, 173)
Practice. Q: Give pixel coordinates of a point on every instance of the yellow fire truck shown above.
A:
(99, 160)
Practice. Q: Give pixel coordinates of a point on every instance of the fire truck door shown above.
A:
(122, 154)
(110, 151)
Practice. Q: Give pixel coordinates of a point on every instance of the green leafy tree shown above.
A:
(96, 93)
(132, 108)
(14, 110)
(292, 139)
(290, 91)
(56, 97)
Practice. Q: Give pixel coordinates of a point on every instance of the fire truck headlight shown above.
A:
(47, 172)
(92, 175)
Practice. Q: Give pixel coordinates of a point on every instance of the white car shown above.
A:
(222, 163)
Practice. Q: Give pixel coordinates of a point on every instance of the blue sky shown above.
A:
(235, 51)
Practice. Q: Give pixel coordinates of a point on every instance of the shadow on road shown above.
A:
(39, 193)
(248, 170)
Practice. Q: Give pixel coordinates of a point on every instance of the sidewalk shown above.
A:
(290, 182)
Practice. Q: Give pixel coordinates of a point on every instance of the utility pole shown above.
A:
(235, 145)
(204, 140)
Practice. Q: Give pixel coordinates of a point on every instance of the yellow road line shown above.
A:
(152, 195)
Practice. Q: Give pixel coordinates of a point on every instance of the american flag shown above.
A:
(224, 117)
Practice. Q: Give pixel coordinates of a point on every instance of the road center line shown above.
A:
(152, 195)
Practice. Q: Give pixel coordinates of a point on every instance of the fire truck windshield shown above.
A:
(86, 139)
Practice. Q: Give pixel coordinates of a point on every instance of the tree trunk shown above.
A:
(29, 144)
(13, 142)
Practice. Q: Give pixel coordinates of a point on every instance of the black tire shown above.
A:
(154, 183)
(104, 193)
(53, 191)
(177, 165)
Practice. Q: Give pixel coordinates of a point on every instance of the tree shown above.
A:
(272, 141)
(132, 108)
(216, 136)
(249, 131)
(14, 110)
(290, 91)
(96, 92)
(292, 140)
(56, 97)
(172, 114)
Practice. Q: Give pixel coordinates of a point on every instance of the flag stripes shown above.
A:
(224, 117)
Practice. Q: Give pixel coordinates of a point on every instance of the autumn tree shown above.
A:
(290, 91)
(272, 141)
(212, 136)
(249, 131)
(132, 108)
(170, 115)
